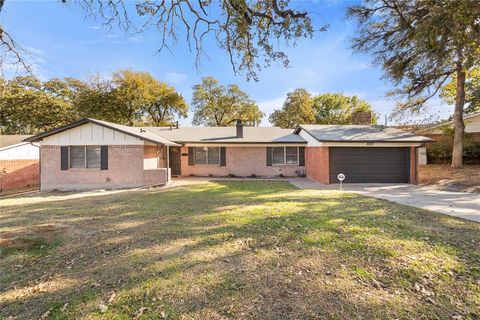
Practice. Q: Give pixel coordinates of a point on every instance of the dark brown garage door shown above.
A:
(384, 165)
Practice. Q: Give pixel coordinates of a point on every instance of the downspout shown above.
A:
(168, 164)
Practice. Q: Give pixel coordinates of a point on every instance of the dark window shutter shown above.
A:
(269, 156)
(190, 156)
(104, 157)
(301, 156)
(64, 158)
(223, 156)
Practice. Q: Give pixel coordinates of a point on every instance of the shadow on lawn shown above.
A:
(244, 250)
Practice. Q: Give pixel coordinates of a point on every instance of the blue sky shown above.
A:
(63, 43)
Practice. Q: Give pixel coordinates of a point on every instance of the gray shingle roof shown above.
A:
(172, 137)
(360, 133)
(227, 135)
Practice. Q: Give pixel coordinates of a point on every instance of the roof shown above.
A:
(11, 139)
(138, 132)
(360, 133)
(227, 135)
(172, 136)
(465, 117)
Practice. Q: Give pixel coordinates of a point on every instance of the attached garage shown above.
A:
(370, 164)
(363, 153)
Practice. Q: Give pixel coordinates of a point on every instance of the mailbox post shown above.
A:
(340, 178)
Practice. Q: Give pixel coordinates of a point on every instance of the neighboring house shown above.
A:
(472, 127)
(97, 154)
(19, 166)
(436, 132)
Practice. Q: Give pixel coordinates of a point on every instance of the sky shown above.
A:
(63, 42)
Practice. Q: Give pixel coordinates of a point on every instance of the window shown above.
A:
(278, 155)
(214, 155)
(85, 157)
(200, 155)
(204, 155)
(291, 155)
(284, 155)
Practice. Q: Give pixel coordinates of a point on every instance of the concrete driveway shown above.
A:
(457, 204)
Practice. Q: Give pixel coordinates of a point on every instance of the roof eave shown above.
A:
(83, 121)
(244, 142)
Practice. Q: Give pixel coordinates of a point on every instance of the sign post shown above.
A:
(340, 178)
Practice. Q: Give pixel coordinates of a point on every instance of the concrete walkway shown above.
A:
(457, 204)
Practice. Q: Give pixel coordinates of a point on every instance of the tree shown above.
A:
(137, 98)
(29, 105)
(166, 105)
(215, 105)
(336, 108)
(472, 90)
(297, 109)
(421, 44)
(251, 32)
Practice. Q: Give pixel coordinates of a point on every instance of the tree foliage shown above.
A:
(219, 106)
(29, 105)
(328, 108)
(251, 32)
(336, 108)
(420, 45)
(297, 109)
(472, 91)
(139, 98)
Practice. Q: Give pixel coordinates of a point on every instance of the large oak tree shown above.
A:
(421, 45)
(328, 108)
(252, 32)
(297, 109)
(29, 105)
(219, 106)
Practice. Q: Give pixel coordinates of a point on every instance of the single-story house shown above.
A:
(472, 127)
(19, 167)
(91, 153)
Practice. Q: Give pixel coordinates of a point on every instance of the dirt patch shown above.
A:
(443, 177)
(32, 237)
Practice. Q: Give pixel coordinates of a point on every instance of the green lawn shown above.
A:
(242, 250)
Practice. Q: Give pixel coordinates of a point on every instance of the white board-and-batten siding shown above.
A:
(91, 134)
(20, 151)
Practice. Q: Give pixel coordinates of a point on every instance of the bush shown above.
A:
(441, 152)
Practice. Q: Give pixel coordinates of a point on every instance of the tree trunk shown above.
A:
(457, 152)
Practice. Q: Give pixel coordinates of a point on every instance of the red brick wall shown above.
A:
(413, 165)
(241, 162)
(18, 174)
(125, 169)
(317, 164)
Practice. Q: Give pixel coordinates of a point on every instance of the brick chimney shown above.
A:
(362, 117)
(239, 126)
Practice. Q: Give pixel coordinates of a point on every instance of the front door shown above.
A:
(175, 162)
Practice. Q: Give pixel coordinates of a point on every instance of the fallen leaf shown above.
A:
(64, 307)
(46, 314)
(103, 308)
(112, 297)
(140, 312)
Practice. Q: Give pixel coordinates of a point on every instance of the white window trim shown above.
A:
(296, 163)
(206, 157)
(85, 157)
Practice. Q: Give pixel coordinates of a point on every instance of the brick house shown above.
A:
(90, 154)
(18, 163)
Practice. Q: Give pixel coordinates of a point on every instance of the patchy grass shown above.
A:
(238, 249)
(443, 177)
